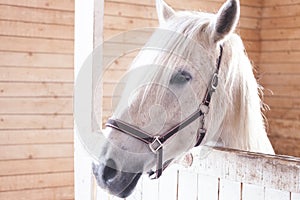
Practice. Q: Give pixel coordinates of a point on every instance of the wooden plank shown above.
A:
(280, 45)
(249, 23)
(168, 183)
(36, 15)
(36, 151)
(113, 22)
(280, 11)
(283, 22)
(291, 80)
(27, 74)
(229, 190)
(282, 91)
(52, 193)
(127, 23)
(42, 89)
(23, 182)
(288, 68)
(283, 102)
(129, 10)
(275, 34)
(279, 2)
(30, 122)
(254, 56)
(23, 29)
(113, 76)
(284, 128)
(272, 194)
(108, 89)
(252, 46)
(172, 3)
(150, 188)
(36, 105)
(36, 45)
(286, 146)
(277, 172)
(282, 113)
(149, 12)
(208, 187)
(280, 57)
(101, 194)
(249, 34)
(187, 185)
(121, 64)
(250, 11)
(16, 59)
(23, 167)
(46, 4)
(295, 196)
(250, 192)
(35, 136)
(122, 49)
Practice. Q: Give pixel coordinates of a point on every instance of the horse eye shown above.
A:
(180, 77)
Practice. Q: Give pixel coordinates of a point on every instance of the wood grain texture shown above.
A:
(36, 122)
(50, 193)
(278, 172)
(279, 71)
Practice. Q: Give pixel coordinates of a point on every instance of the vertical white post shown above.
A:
(86, 36)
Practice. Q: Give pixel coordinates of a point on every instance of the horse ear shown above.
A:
(227, 19)
(164, 11)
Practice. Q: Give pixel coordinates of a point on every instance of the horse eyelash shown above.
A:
(180, 77)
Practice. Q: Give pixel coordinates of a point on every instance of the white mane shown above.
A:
(239, 102)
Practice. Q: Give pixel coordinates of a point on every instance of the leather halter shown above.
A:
(155, 143)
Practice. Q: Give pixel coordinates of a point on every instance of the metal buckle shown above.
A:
(214, 81)
(155, 145)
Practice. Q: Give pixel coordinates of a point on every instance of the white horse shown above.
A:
(177, 89)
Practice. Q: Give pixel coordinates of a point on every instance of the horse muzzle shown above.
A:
(118, 183)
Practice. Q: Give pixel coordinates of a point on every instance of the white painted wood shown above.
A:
(168, 183)
(83, 172)
(295, 196)
(84, 19)
(250, 192)
(101, 194)
(229, 190)
(208, 187)
(150, 189)
(278, 172)
(272, 194)
(187, 185)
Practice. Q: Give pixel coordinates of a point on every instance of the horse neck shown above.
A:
(238, 108)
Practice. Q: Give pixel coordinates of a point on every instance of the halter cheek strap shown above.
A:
(155, 143)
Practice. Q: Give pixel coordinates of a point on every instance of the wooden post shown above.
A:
(88, 34)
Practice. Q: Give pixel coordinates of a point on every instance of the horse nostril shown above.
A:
(110, 170)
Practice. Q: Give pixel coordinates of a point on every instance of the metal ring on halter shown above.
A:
(214, 81)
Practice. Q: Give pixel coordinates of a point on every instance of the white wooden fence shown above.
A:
(222, 175)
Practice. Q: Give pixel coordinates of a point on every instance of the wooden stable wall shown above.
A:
(36, 85)
(280, 72)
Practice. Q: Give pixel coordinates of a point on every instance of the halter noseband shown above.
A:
(155, 143)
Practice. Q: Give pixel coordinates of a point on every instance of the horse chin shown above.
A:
(122, 185)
